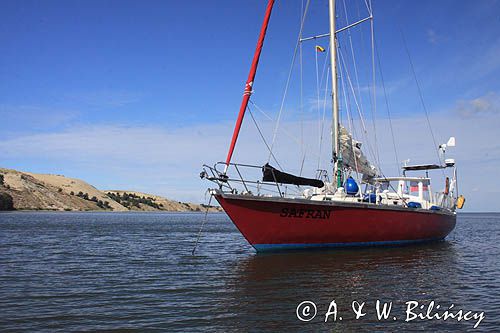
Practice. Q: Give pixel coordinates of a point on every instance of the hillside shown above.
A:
(31, 191)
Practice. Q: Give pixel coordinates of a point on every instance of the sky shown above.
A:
(139, 95)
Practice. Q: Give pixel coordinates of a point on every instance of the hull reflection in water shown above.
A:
(268, 287)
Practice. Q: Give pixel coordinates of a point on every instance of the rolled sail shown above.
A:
(353, 157)
(271, 174)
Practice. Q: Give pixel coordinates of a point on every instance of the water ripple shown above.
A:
(134, 271)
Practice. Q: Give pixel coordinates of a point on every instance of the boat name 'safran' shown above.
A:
(306, 213)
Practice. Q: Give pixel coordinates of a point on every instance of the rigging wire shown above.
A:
(263, 138)
(420, 95)
(374, 95)
(326, 65)
(301, 108)
(374, 151)
(388, 112)
(353, 59)
(317, 95)
(368, 4)
(324, 80)
(370, 148)
(323, 120)
(289, 78)
(356, 75)
(349, 120)
(290, 135)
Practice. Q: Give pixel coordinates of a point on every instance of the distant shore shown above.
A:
(26, 191)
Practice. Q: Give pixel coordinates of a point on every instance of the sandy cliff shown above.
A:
(31, 191)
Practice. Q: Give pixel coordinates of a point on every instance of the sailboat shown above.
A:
(337, 213)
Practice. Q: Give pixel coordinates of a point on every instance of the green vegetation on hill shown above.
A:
(31, 191)
(99, 203)
(132, 200)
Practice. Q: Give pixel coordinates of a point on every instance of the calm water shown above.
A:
(134, 271)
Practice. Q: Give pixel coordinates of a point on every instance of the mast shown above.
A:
(335, 108)
(249, 83)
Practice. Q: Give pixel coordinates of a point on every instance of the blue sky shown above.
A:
(138, 95)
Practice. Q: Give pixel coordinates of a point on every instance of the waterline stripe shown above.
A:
(277, 247)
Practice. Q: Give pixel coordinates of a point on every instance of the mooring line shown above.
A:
(202, 225)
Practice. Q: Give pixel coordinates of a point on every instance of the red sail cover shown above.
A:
(249, 83)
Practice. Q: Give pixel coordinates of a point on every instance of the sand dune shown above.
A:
(32, 191)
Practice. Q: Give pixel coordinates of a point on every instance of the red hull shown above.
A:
(276, 223)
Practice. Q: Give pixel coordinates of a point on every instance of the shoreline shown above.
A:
(26, 191)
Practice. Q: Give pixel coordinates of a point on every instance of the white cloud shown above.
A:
(488, 104)
(167, 161)
(35, 116)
